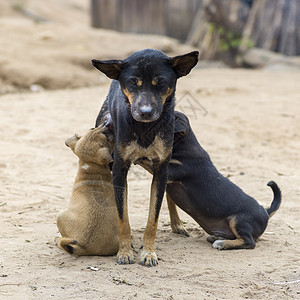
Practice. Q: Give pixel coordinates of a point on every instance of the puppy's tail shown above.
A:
(71, 246)
(277, 199)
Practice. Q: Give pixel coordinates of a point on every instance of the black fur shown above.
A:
(210, 198)
(141, 103)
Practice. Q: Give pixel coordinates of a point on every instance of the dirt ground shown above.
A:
(248, 121)
(251, 131)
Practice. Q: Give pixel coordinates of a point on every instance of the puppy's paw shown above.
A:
(125, 257)
(149, 258)
(218, 244)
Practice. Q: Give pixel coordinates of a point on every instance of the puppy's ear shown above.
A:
(104, 155)
(183, 64)
(71, 142)
(111, 68)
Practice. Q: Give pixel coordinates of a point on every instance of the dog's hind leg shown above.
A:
(176, 224)
(241, 230)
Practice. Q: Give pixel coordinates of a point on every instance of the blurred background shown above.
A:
(49, 44)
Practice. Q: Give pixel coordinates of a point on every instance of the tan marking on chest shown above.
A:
(156, 151)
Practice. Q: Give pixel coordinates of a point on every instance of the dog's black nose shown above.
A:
(146, 111)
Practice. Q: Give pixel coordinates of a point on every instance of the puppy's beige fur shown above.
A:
(89, 225)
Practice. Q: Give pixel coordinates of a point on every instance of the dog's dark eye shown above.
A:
(159, 82)
(132, 81)
(135, 81)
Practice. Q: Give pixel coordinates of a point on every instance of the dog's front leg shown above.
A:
(158, 186)
(120, 170)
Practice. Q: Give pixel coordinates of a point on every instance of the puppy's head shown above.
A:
(93, 147)
(148, 79)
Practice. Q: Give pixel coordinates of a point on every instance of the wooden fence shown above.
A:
(220, 29)
(235, 24)
(167, 17)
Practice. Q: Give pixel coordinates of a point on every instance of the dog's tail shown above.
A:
(277, 199)
(71, 246)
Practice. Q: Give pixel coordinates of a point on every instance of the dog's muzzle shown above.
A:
(144, 113)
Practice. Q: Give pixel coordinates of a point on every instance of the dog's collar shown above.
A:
(86, 182)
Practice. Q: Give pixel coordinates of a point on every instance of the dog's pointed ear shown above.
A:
(111, 68)
(183, 64)
(71, 142)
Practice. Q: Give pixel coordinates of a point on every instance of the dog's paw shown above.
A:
(179, 229)
(149, 258)
(212, 238)
(125, 257)
(218, 244)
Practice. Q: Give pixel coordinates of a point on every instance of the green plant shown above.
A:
(228, 41)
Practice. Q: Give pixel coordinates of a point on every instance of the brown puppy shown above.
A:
(89, 225)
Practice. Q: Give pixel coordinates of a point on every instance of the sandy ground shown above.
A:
(247, 120)
(251, 130)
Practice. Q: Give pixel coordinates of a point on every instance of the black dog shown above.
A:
(233, 219)
(141, 104)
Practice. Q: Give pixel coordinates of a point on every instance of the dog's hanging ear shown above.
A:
(183, 64)
(111, 68)
(181, 123)
(104, 156)
(71, 142)
(181, 127)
